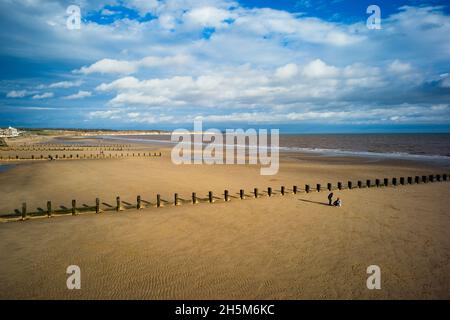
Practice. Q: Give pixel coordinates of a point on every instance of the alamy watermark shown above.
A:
(374, 280)
(73, 21)
(235, 146)
(74, 279)
(374, 20)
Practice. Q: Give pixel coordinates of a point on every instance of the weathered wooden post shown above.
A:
(294, 189)
(368, 183)
(282, 190)
(210, 197)
(194, 198)
(377, 182)
(350, 185)
(74, 207)
(339, 184)
(359, 184)
(97, 205)
(138, 202)
(241, 194)
(329, 186)
(49, 209)
(158, 200)
(424, 179)
(24, 211)
(269, 191)
(444, 177)
(409, 180)
(394, 181)
(255, 191)
(307, 188)
(118, 203)
(417, 179)
(175, 199)
(431, 178)
(438, 177)
(402, 181)
(225, 195)
(318, 186)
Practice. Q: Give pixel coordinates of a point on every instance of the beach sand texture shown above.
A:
(291, 247)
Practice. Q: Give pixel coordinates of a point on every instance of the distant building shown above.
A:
(8, 133)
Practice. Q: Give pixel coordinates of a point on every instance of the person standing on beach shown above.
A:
(330, 199)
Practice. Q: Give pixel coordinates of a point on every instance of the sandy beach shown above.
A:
(280, 247)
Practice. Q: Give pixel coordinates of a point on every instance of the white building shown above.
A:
(8, 133)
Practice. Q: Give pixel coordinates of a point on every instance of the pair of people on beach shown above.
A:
(337, 203)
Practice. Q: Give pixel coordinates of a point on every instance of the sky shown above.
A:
(301, 66)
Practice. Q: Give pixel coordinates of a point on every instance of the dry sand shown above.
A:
(291, 247)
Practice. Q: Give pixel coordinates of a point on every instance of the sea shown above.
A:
(412, 146)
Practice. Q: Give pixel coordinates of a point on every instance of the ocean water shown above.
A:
(401, 146)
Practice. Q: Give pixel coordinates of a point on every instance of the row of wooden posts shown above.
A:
(75, 145)
(84, 156)
(140, 203)
(47, 147)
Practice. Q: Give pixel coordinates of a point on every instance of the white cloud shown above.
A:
(127, 67)
(208, 16)
(399, 67)
(287, 71)
(66, 84)
(79, 95)
(319, 69)
(45, 95)
(16, 94)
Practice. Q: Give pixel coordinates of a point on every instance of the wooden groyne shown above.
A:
(158, 202)
(78, 156)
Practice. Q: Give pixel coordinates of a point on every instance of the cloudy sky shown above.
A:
(302, 66)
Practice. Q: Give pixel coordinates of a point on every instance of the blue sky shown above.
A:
(302, 66)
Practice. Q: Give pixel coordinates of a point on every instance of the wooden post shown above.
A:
(350, 185)
(394, 181)
(368, 183)
(438, 177)
(194, 198)
(49, 209)
(377, 182)
(444, 177)
(424, 179)
(359, 184)
(225, 194)
(294, 189)
(431, 178)
(269, 191)
(97, 205)
(417, 179)
(339, 185)
(175, 199)
(74, 207)
(282, 190)
(318, 187)
(329, 186)
(241, 194)
(255, 191)
(409, 180)
(118, 203)
(307, 188)
(24, 211)
(402, 181)
(158, 200)
(138, 201)
(210, 197)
